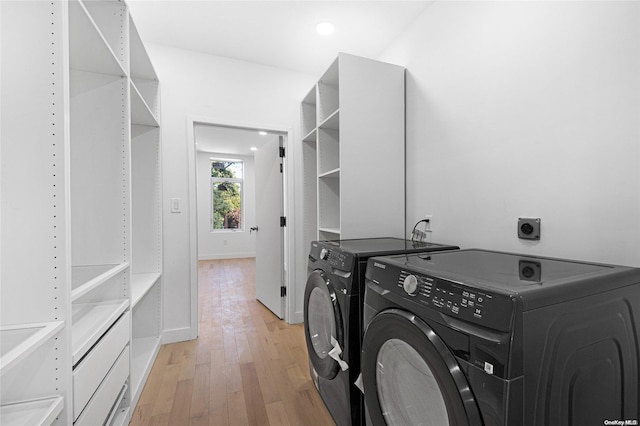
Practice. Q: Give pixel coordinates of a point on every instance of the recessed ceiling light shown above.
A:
(325, 28)
(262, 132)
(253, 148)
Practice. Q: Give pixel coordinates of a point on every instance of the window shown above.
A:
(226, 194)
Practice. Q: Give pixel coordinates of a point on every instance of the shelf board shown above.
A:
(88, 277)
(311, 136)
(90, 322)
(89, 50)
(331, 174)
(330, 230)
(140, 285)
(144, 351)
(332, 121)
(140, 111)
(36, 412)
(140, 64)
(18, 341)
(310, 99)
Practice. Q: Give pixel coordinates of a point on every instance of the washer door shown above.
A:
(322, 323)
(410, 377)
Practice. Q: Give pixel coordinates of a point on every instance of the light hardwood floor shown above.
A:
(247, 367)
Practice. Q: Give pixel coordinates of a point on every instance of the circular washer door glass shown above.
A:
(407, 390)
(322, 324)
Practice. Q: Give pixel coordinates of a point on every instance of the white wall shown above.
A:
(526, 109)
(513, 109)
(228, 91)
(223, 244)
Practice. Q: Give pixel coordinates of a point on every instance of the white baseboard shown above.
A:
(225, 256)
(178, 335)
(298, 318)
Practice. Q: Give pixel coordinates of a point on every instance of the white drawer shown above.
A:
(98, 409)
(91, 371)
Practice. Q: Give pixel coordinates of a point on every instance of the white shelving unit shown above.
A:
(146, 278)
(352, 124)
(33, 413)
(19, 341)
(81, 213)
(90, 322)
(89, 277)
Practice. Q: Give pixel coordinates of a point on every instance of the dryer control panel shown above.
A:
(458, 300)
(331, 256)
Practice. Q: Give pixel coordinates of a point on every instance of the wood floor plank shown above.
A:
(200, 396)
(142, 415)
(200, 420)
(181, 403)
(270, 392)
(217, 387)
(188, 370)
(167, 390)
(203, 350)
(237, 409)
(160, 420)
(243, 348)
(277, 414)
(247, 367)
(256, 412)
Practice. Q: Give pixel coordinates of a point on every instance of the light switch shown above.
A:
(175, 205)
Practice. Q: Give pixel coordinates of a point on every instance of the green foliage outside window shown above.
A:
(227, 194)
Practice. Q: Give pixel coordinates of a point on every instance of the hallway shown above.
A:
(247, 367)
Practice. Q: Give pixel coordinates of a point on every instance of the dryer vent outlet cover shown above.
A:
(529, 228)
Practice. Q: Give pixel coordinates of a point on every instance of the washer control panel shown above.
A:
(458, 300)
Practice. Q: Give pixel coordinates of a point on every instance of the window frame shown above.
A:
(217, 180)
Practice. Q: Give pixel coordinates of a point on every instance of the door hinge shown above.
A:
(280, 167)
(283, 221)
(282, 152)
(283, 291)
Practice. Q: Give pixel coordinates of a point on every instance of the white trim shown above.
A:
(289, 252)
(177, 335)
(298, 317)
(214, 256)
(168, 335)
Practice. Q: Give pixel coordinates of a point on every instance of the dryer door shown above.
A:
(323, 326)
(410, 377)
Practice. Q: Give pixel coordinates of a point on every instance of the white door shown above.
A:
(270, 235)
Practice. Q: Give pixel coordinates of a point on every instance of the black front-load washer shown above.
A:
(475, 337)
(333, 316)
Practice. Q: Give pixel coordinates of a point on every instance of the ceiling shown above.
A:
(275, 33)
(229, 140)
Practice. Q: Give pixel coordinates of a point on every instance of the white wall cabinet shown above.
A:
(80, 321)
(353, 151)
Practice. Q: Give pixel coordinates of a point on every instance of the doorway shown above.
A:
(254, 202)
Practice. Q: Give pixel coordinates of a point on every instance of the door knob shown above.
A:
(253, 228)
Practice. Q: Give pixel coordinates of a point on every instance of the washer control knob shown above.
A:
(410, 285)
(324, 254)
